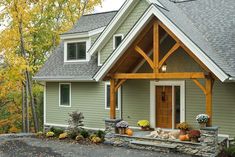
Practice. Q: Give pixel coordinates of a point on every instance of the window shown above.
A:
(107, 97)
(65, 94)
(117, 39)
(76, 51)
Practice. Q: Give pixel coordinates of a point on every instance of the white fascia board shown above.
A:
(154, 11)
(43, 79)
(155, 2)
(82, 35)
(121, 15)
(231, 79)
(130, 37)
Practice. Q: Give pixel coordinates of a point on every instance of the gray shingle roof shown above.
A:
(93, 21)
(56, 69)
(210, 24)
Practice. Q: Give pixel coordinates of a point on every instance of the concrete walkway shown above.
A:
(26, 146)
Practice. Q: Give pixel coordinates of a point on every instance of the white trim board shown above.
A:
(88, 45)
(172, 83)
(144, 20)
(65, 126)
(44, 103)
(116, 21)
(119, 97)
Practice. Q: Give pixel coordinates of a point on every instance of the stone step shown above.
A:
(154, 144)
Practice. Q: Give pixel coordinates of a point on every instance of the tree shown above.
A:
(31, 33)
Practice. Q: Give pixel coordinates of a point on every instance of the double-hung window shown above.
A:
(76, 51)
(107, 97)
(65, 94)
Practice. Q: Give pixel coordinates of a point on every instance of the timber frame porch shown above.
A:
(119, 73)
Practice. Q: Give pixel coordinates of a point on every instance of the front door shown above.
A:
(164, 106)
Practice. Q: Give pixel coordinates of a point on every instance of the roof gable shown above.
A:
(157, 11)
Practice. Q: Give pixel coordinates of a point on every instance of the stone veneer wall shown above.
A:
(208, 146)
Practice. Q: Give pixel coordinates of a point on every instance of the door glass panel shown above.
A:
(177, 105)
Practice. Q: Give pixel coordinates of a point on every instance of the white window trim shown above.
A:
(153, 84)
(88, 45)
(119, 97)
(99, 59)
(114, 41)
(70, 94)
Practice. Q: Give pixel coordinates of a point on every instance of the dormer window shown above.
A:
(76, 50)
(117, 39)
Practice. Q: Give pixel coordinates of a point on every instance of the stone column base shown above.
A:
(110, 125)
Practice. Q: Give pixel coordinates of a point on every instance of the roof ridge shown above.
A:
(100, 13)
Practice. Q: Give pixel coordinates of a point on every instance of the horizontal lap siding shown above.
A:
(126, 26)
(136, 98)
(87, 98)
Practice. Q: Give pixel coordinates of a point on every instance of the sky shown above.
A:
(109, 5)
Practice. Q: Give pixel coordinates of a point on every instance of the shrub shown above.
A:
(79, 137)
(143, 123)
(57, 131)
(194, 133)
(100, 134)
(229, 152)
(39, 134)
(183, 126)
(84, 133)
(50, 134)
(72, 134)
(63, 136)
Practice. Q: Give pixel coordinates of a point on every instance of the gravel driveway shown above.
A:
(24, 146)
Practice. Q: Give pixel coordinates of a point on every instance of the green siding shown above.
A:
(94, 37)
(136, 98)
(124, 28)
(86, 97)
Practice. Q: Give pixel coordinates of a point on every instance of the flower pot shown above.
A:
(122, 131)
(202, 125)
(183, 132)
(145, 128)
(194, 139)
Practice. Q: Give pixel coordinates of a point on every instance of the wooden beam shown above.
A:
(156, 46)
(169, 53)
(209, 99)
(112, 99)
(182, 75)
(119, 84)
(143, 54)
(134, 76)
(200, 85)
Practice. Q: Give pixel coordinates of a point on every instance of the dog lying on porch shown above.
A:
(159, 133)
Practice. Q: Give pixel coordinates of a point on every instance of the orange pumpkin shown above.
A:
(183, 137)
(129, 132)
(187, 137)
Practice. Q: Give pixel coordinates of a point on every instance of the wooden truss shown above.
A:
(117, 79)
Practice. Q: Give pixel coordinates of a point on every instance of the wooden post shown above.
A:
(209, 99)
(156, 44)
(112, 99)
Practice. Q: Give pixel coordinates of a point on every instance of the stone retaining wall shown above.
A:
(208, 146)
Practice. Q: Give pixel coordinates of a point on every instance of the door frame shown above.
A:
(172, 83)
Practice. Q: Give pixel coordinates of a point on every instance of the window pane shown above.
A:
(81, 50)
(177, 104)
(64, 94)
(118, 40)
(108, 97)
(71, 50)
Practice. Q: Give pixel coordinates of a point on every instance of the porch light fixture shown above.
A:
(164, 67)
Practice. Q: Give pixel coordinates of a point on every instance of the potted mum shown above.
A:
(184, 127)
(194, 135)
(202, 119)
(144, 124)
(122, 125)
